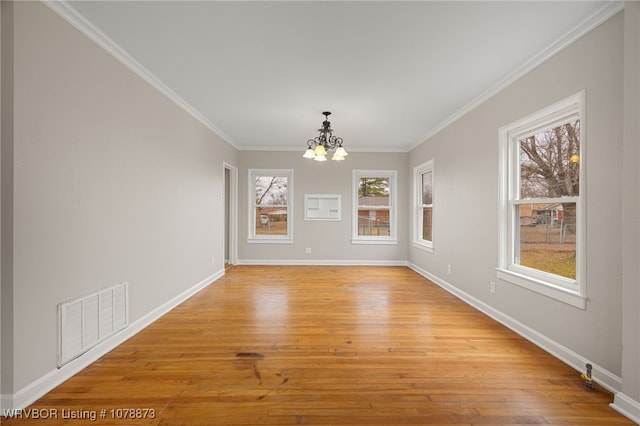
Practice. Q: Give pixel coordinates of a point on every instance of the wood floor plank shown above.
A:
(321, 345)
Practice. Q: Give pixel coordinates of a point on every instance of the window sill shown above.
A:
(424, 247)
(558, 293)
(373, 241)
(269, 241)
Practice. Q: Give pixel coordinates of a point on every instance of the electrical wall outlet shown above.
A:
(448, 268)
(307, 250)
(492, 287)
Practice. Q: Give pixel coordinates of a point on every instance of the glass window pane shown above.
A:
(427, 229)
(547, 238)
(427, 188)
(271, 221)
(271, 190)
(550, 162)
(373, 191)
(373, 222)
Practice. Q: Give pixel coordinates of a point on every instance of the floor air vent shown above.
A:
(85, 322)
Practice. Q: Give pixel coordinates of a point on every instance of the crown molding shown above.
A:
(604, 13)
(302, 148)
(69, 14)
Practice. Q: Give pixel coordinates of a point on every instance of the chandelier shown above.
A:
(317, 147)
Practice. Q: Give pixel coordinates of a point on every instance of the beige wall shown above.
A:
(631, 206)
(105, 180)
(6, 202)
(112, 182)
(329, 241)
(466, 197)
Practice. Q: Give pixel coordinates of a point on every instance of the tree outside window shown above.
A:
(541, 220)
(374, 212)
(549, 169)
(270, 192)
(373, 206)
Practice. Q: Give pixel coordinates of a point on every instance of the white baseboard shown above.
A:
(626, 406)
(35, 390)
(30, 393)
(294, 262)
(601, 376)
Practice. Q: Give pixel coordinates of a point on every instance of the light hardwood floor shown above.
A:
(328, 346)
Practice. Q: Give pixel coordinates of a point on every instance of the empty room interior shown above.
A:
(310, 212)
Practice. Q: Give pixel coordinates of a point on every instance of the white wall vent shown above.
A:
(87, 321)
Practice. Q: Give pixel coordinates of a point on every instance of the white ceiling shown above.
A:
(393, 73)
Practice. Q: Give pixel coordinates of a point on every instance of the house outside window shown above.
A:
(374, 210)
(423, 211)
(542, 187)
(270, 206)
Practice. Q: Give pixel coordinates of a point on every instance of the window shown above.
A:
(542, 187)
(271, 205)
(423, 213)
(374, 212)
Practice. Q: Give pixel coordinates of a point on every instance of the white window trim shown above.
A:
(572, 292)
(418, 171)
(393, 189)
(270, 239)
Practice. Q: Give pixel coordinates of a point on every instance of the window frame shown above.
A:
(418, 171)
(392, 238)
(269, 239)
(572, 292)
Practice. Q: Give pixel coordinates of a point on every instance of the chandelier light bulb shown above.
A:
(341, 152)
(319, 151)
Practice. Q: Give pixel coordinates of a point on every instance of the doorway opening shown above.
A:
(230, 209)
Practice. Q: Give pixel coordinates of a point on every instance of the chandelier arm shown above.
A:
(334, 142)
